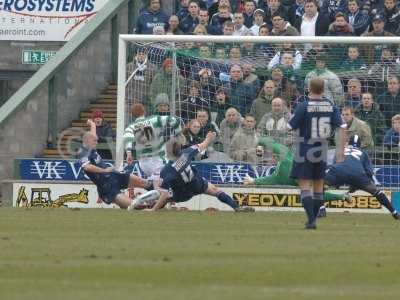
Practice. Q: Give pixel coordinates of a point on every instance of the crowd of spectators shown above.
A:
(248, 90)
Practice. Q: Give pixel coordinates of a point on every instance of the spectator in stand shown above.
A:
(192, 103)
(218, 20)
(188, 24)
(312, 22)
(191, 133)
(392, 136)
(374, 52)
(357, 19)
(258, 16)
(332, 7)
(386, 67)
(297, 11)
(162, 105)
(248, 12)
(240, 94)
(353, 62)
(248, 49)
(391, 13)
(262, 104)
(274, 123)
(308, 62)
(206, 124)
(359, 127)
(235, 55)
(389, 101)
(286, 86)
(282, 27)
(204, 18)
(144, 71)
(183, 9)
(372, 7)
(333, 85)
(105, 134)
(239, 28)
(162, 82)
(340, 27)
(244, 142)
(208, 84)
(292, 57)
(213, 8)
(353, 96)
(173, 27)
(229, 125)
(249, 77)
(151, 17)
(264, 49)
(219, 106)
(369, 112)
(228, 29)
(273, 8)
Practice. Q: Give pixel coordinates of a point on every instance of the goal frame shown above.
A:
(125, 38)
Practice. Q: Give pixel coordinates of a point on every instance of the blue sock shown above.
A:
(308, 204)
(318, 202)
(381, 197)
(224, 198)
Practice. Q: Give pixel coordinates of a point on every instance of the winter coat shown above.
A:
(289, 30)
(227, 131)
(392, 138)
(243, 146)
(360, 23)
(375, 119)
(162, 83)
(148, 19)
(333, 85)
(274, 124)
(389, 106)
(241, 95)
(261, 106)
(105, 132)
(363, 130)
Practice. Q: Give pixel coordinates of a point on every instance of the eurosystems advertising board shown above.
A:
(45, 20)
(217, 173)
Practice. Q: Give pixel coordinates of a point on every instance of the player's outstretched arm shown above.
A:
(162, 201)
(208, 140)
(92, 126)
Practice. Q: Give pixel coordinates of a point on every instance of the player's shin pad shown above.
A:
(146, 200)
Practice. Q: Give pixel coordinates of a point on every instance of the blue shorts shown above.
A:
(111, 186)
(308, 170)
(338, 178)
(197, 186)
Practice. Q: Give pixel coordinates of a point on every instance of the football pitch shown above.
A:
(113, 254)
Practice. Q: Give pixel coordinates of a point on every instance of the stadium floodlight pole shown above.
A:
(119, 154)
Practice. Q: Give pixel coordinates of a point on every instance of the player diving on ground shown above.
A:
(281, 175)
(356, 171)
(180, 181)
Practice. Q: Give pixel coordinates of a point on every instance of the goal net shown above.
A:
(245, 88)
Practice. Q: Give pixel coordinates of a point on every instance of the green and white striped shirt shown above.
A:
(146, 137)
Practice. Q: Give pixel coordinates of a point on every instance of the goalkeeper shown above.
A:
(281, 175)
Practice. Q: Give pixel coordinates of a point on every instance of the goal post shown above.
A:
(137, 81)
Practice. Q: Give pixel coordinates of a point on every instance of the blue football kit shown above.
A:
(109, 185)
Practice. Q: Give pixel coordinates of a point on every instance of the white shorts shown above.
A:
(151, 167)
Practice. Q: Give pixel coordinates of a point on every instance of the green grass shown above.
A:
(112, 254)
